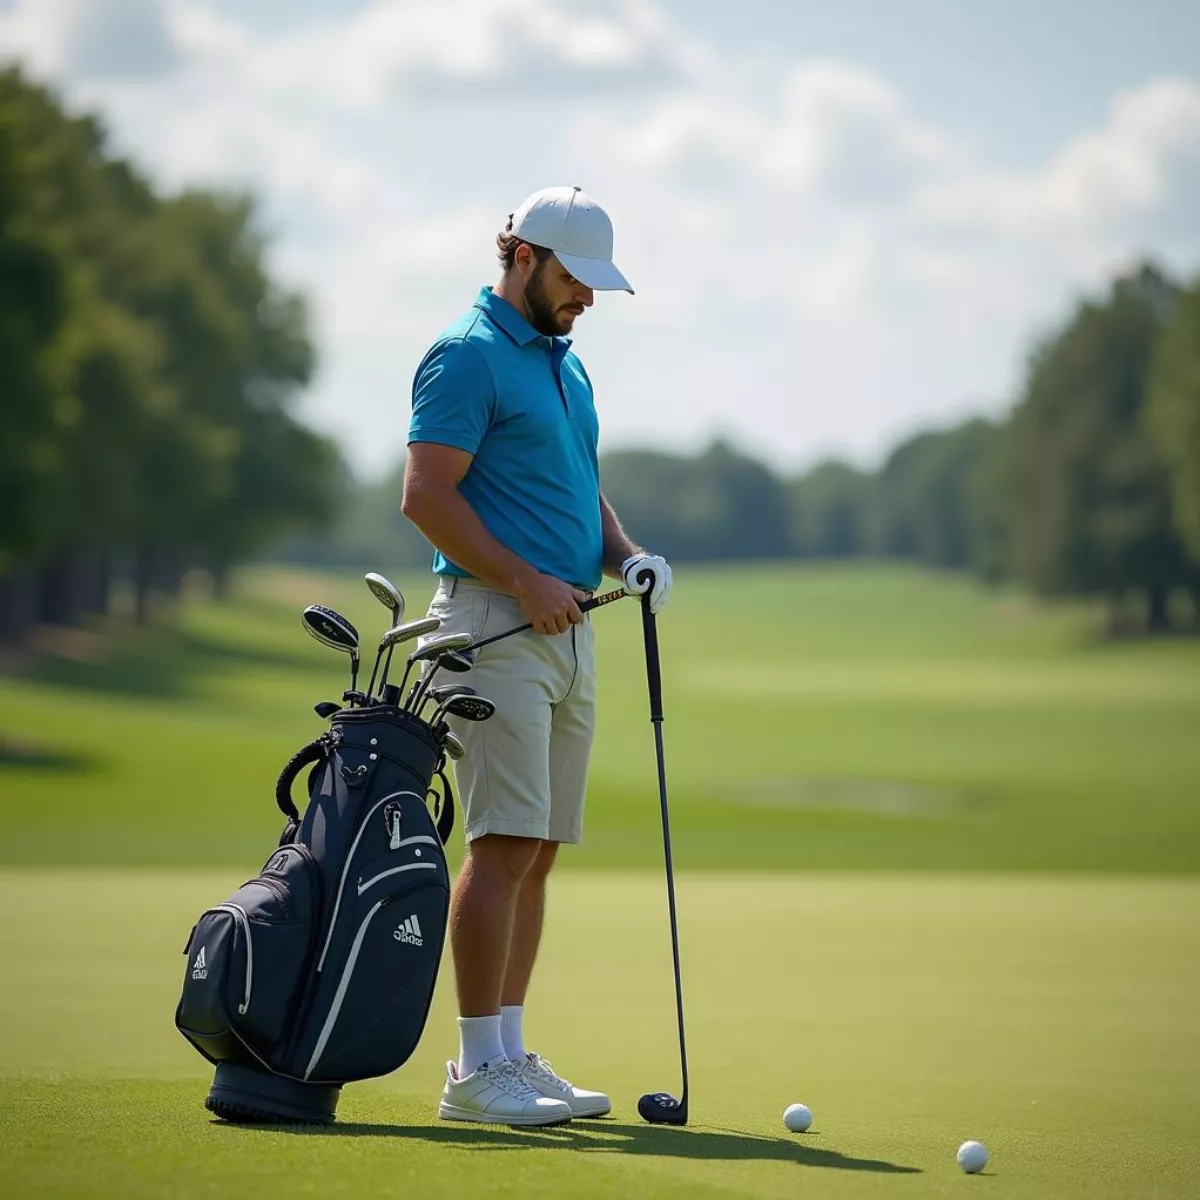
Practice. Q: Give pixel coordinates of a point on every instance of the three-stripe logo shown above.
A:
(409, 932)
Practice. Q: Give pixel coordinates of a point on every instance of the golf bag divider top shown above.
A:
(320, 970)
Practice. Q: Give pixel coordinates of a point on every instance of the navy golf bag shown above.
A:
(320, 970)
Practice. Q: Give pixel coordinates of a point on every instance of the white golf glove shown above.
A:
(659, 586)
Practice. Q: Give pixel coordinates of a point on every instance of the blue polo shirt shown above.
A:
(522, 404)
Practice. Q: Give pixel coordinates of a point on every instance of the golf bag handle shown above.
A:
(586, 606)
(313, 752)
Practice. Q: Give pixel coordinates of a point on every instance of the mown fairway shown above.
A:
(937, 851)
(1052, 1019)
(834, 718)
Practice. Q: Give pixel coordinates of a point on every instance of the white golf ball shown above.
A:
(797, 1117)
(972, 1157)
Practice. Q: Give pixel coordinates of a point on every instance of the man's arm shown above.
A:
(617, 545)
(433, 503)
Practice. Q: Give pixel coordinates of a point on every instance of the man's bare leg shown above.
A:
(527, 926)
(482, 916)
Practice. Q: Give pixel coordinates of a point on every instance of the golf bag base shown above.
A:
(249, 1097)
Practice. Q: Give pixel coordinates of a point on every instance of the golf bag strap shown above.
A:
(312, 753)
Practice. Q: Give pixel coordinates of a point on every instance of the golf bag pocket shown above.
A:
(249, 958)
(379, 967)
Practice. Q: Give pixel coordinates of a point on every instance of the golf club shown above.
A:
(455, 658)
(454, 747)
(661, 1108)
(439, 694)
(390, 596)
(332, 629)
(469, 708)
(393, 637)
(585, 606)
(326, 708)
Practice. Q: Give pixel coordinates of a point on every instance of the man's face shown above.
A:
(554, 297)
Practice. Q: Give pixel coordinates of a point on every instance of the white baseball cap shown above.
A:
(569, 222)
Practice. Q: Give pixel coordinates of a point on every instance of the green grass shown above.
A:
(857, 717)
(1053, 1019)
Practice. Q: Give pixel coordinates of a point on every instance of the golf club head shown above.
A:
(330, 628)
(439, 695)
(661, 1108)
(408, 631)
(470, 708)
(458, 661)
(454, 747)
(326, 708)
(387, 593)
(440, 645)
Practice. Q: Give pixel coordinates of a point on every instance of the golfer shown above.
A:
(502, 478)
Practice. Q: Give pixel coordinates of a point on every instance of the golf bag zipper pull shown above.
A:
(396, 830)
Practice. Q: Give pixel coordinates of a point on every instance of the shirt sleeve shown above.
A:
(453, 397)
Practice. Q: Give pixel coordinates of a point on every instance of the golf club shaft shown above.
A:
(654, 683)
(585, 606)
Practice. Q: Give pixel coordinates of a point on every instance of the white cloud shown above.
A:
(818, 265)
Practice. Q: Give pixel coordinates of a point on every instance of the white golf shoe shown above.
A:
(538, 1073)
(497, 1094)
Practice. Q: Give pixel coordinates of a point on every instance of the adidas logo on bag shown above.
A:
(409, 932)
(200, 966)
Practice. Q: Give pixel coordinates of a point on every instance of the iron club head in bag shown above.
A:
(454, 747)
(433, 651)
(469, 708)
(387, 593)
(456, 661)
(395, 637)
(332, 629)
(439, 695)
(390, 596)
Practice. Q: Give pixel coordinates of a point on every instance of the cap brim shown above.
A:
(597, 273)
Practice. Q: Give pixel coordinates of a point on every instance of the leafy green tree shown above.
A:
(1086, 501)
(828, 511)
(926, 502)
(1173, 412)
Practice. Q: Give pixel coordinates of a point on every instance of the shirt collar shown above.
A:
(516, 326)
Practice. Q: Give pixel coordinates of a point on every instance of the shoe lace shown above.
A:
(543, 1070)
(508, 1078)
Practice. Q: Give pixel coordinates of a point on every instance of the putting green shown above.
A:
(1053, 1019)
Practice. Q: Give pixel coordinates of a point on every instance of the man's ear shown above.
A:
(523, 258)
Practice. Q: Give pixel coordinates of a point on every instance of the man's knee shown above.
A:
(504, 860)
(540, 868)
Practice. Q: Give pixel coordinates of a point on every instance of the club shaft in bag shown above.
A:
(654, 682)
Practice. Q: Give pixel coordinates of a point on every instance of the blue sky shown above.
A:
(844, 222)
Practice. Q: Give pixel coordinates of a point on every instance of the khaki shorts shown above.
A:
(525, 770)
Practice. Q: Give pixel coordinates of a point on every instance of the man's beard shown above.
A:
(543, 316)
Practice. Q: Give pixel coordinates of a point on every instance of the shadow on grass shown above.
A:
(163, 662)
(605, 1137)
(26, 755)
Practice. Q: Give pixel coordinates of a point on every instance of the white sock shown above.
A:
(479, 1041)
(510, 1031)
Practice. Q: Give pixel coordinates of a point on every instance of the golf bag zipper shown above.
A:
(336, 1007)
(239, 915)
(337, 900)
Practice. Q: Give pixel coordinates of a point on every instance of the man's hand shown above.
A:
(551, 605)
(659, 585)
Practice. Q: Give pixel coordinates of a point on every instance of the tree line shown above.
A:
(1088, 486)
(148, 365)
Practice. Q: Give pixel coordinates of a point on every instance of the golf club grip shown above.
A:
(653, 672)
(586, 606)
